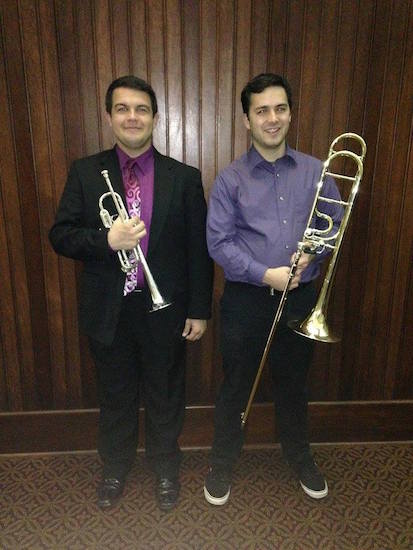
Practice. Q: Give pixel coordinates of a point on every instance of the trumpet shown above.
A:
(315, 240)
(158, 302)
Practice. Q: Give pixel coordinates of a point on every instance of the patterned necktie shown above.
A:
(133, 201)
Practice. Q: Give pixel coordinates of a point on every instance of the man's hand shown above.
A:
(194, 329)
(126, 235)
(277, 277)
(303, 262)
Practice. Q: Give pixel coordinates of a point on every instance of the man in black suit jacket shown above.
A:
(130, 344)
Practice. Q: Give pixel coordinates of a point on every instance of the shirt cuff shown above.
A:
(256, 273)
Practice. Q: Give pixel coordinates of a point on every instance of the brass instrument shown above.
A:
(316, 240)
(158, 302)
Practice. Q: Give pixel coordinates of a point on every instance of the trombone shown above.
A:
(158, 302)
(314, 241)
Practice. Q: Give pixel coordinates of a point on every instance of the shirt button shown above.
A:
(284, 221)
(278, 175)
(281, 198)
(286, 246)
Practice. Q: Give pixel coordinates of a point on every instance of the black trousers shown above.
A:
(139, 357)
(247, 313)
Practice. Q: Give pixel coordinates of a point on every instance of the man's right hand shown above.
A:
(126, 235)
(277, 277)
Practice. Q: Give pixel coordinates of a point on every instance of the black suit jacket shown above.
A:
(177, 253)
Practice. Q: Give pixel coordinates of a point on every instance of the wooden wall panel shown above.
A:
(138, 38)
(17, 166)
(191, 81)
(394, 171)
(224, 83)
(47, 349)
(208, 92)
(10, 390)
(381, 124)
(351, 275)
(350, 64)
(241, 74)
(91, 102)
(174, 80)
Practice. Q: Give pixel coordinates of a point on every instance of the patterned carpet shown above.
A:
(48, 502)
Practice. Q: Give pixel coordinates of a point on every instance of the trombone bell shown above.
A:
(314, 327)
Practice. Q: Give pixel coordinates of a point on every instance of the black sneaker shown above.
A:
(311, 479)
(217, 485)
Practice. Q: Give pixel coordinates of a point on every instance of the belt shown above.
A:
(261, 289)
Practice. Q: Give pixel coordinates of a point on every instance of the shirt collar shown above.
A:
(255, 158)
(143, 162)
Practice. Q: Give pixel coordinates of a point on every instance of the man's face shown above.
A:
(268, 120)
(131, 120)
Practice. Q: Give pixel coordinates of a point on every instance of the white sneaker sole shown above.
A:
(216, 501)
(315, 494)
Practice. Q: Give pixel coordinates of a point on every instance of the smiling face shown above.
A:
(132, 120)
(269, 120)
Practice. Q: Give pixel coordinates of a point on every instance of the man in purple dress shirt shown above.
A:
(132, 346)
(257, 213)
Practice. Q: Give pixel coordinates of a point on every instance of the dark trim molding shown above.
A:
(75, 430)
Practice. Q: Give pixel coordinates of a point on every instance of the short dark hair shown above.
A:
(135, 83)
(259, 83)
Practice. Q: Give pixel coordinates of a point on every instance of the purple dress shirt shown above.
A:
(145, 172)
(258, 211)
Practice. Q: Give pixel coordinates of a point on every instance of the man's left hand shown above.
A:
(303, 263)
(194, 329)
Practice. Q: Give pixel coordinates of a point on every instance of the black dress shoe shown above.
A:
(167, 492)
(109, 491)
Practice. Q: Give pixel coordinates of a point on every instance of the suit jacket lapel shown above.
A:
(163, 189)
(109, 161)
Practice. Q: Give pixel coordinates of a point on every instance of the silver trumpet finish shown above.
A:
(158, 302)
(314, 241)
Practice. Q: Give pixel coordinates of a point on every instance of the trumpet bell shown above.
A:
(159, 305)
(314, 327)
